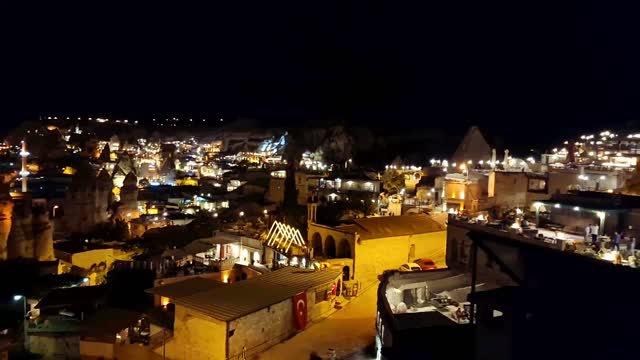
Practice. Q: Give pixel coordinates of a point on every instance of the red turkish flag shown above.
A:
(300, 310)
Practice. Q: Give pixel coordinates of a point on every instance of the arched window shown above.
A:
(316, 245)
(330, 247)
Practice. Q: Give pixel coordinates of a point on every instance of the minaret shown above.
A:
(505, 162)
(312, 208)
(23, 172)
(493, 158)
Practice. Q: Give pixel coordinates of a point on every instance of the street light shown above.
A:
(24, 315)
(54, 210)
(241, 213)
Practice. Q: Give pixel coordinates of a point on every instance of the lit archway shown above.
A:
(316, 245)
(330, 247)
(344, 249)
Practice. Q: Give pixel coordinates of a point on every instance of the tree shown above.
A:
(392, 181)
(360, 202)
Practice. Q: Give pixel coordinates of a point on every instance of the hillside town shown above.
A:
(120, 241)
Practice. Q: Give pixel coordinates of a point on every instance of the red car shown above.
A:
(426, 264)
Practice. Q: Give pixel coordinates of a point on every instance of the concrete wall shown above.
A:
(196, 336)
(259, 331)
(96, 350)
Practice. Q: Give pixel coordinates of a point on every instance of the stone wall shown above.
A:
(196, 336)
(431, 246)
(316, 311)
(260, 330)
(55, 347)
(376, 255)
(510, 188)
(96, 350)
(330, 238)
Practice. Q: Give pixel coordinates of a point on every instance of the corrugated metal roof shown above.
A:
(245, 297)
(185, 288)
(388, 226)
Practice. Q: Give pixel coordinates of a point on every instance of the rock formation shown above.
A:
(6, 211)
(129, 193)
(43, 236)
(16, 243)
(87, 200)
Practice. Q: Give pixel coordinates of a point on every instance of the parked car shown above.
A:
(409, 267)
(426, 264)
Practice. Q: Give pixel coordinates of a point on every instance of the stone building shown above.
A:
(369, 246)
(243, 319)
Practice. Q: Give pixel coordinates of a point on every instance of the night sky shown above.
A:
(544, 69)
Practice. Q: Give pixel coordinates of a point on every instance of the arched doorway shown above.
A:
(345, 273)
(316, 245)
(344, 249)
(330, 247)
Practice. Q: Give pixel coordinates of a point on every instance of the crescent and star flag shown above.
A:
(300, 310)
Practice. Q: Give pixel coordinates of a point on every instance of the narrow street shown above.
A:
(348, 331)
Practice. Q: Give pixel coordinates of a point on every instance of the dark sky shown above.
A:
(543, 68)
